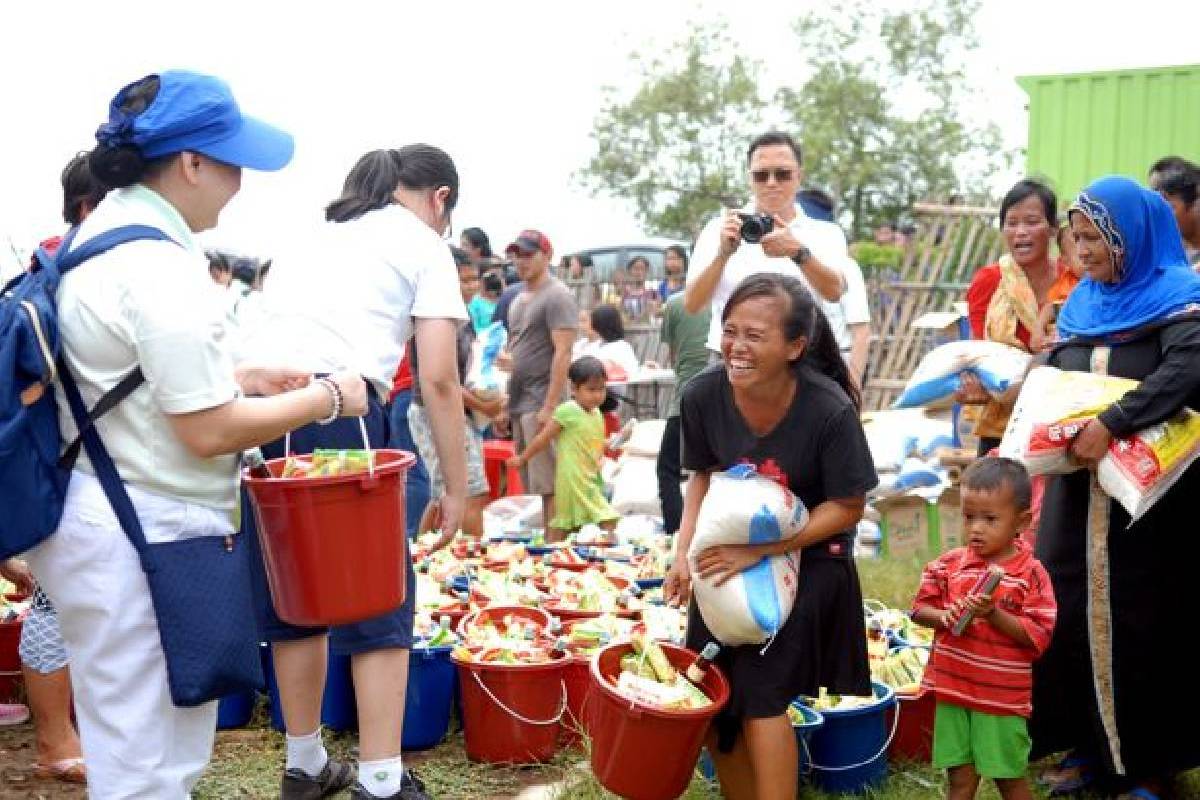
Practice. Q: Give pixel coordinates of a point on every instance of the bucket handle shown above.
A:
(362, 428)
(882, 750)
(562, 707)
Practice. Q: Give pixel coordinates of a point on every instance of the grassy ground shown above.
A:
(247, 762)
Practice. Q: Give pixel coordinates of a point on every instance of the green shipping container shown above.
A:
(1090, 124)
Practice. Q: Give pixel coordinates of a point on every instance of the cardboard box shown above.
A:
(949, 520)
(907, 524)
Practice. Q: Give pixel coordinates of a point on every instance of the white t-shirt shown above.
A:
(619, 352)
(852, 309)
(825, 239)
(149, 303)
(346, 299)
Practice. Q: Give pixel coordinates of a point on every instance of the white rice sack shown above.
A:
(646, 439)
(1054, 406)
(635, 487)
(742, 507)
(998, 367)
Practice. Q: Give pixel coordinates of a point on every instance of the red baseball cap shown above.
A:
(530, 241)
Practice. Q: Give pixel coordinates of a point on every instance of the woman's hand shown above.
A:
(1092, 443)
(727, 560)
(677, 587)
(354, 393)
(16, 572)
(268, 381)
(972, 392)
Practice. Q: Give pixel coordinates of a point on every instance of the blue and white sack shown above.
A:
(484, 376)
(743, 507)
(999, 367)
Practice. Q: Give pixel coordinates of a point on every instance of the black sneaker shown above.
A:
(411, 788)
(299, 785)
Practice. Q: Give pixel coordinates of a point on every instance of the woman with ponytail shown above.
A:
(782, 400)
(394, 280)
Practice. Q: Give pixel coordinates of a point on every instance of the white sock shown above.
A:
(381, 778)
(307, 753)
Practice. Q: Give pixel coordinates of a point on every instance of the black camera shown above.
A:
(756, 226)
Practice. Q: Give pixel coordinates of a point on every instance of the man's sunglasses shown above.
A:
(781, 174)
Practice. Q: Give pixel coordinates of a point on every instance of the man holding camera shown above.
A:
(772, 235)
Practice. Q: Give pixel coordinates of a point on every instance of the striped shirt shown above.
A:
(985, 669)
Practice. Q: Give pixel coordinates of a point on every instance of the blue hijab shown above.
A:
(1155, 280)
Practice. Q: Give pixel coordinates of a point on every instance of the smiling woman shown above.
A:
(784, 402)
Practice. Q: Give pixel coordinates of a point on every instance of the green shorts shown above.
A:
(997, 746)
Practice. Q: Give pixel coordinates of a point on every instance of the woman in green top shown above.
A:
(578, 431)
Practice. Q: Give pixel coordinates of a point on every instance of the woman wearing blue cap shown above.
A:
(172, 150)
(395, 280)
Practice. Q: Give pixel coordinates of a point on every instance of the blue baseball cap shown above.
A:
(196, 112)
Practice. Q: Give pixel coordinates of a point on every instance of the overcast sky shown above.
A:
(508, 88)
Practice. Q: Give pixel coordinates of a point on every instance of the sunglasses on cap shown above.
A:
(781, 174)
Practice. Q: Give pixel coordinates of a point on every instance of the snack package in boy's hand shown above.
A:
(743, 507)
(999, 367)
(1054, 406)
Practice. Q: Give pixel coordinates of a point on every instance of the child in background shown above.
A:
(482, 306)
(1070, 271)
(577, 430)
(983, 677)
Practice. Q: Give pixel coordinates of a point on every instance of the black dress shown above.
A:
(1119, 680)
(819, 451)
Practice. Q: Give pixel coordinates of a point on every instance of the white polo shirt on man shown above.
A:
(825, 239)
(346, 298)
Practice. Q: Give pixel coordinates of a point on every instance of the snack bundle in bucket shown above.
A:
(647, 677)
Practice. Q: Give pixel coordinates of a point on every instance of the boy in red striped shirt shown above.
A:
(983, 677)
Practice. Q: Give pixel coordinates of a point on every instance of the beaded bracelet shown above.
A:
(335, 394)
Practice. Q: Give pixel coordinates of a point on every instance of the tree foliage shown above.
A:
(676, 149)
(881, 115)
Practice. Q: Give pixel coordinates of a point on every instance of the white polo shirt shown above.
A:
(346, 298)
(149, 303)
(825, 239)
(852, 309)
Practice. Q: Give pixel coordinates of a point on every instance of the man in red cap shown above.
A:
(542, 324)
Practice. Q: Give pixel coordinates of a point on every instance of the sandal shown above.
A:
(13, 714)
(69, 770)
(1071, 783)
(1054, 774)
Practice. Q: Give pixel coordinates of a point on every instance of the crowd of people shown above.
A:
(1073, 653)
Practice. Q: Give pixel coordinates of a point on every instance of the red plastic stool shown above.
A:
(495, 453)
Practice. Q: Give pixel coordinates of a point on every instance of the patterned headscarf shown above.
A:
(1152, 280)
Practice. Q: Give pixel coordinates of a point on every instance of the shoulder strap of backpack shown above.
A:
(68, 258)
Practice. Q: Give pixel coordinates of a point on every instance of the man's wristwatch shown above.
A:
(802, 256)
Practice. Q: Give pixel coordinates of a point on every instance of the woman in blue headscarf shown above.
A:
(1115, 685)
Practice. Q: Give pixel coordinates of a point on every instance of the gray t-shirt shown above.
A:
(532, 318)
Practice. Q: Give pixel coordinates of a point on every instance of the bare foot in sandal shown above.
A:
(69, 770)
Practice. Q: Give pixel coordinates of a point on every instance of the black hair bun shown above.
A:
(116, 167)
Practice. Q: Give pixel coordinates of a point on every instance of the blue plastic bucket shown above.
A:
(849, 752)
(235, 710)
(431, 679)
(338, 711)
(813, 720)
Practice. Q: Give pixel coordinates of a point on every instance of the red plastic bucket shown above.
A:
(914, 732)
(497, 613)
(512, 712)
(640, 752)
(578, 681)
(10, 661)
(334, 547)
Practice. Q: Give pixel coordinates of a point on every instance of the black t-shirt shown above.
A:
(818, 450)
